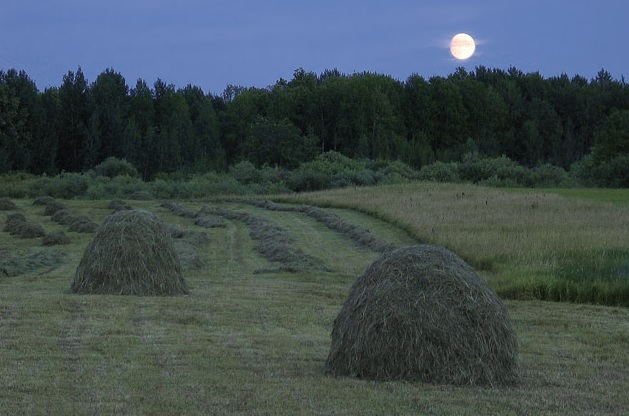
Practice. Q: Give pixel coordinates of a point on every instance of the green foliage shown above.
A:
(64, 186)
(112, 167)
(330, 170)
(440, 172)
(501, 169)
(278, 143)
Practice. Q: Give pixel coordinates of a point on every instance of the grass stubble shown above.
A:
(241, 343)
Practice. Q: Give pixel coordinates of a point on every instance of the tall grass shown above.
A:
(528, 245)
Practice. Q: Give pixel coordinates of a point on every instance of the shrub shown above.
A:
(440, 172)
(422, 314)
(549, 176)
(112, 167)
(65, 186)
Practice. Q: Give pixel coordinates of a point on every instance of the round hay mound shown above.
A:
(53, 207)
(82, 224)
(28, 230)
(56, 238)
(118, 205)
(141, 196)
(63, 217)
(131, 254)
(14, 223)
(422, 313)
(44, 200)
(7, 205)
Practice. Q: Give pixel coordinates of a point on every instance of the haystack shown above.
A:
(82, 224)
(423, 314)
(7, 205)
(63, 217)
(131, 254)
(53, 207)
(118, 205)
(44, 200)
(28, 230)
(55, 238)
(14, 223)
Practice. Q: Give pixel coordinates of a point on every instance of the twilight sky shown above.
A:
(212, 43)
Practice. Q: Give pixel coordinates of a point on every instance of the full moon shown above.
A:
(462, 46)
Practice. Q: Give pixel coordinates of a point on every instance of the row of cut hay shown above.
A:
(272, 242)
(205, 219)
(131, 254)
(187, 244)
(178, 209)
(12, 265)
(359, 235)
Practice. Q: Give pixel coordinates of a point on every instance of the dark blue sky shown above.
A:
(212, 43)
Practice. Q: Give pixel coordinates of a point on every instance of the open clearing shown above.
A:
(254, 332)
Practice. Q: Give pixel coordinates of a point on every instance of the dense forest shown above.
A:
(490, 113)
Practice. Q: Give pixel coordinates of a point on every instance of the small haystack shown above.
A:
(118, 205)
(63, 217)
(28, 230)
(141, 196)
(131, 254)
(14, 223)
(83, 224)
(7, 205)
(53, 207)
(423, 314)
(55, 238)
(44, 200)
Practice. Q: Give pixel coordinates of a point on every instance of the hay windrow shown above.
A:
(359, 235)
(178, 210)
(272, 242)
(12, 265)
(422, 314)
(131, 254)
(204, 219)
(7, 205)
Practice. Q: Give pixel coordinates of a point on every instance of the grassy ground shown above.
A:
(255, 344)
(527, 244)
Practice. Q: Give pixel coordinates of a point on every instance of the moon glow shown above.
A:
(462, 46)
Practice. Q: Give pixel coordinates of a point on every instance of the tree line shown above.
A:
(526, 117)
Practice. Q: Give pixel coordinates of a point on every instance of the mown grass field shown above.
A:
(252, 338)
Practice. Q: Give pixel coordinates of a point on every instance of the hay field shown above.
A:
(253, 335)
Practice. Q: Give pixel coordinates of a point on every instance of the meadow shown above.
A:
(267, 282)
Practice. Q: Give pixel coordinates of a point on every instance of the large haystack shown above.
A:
(131, 254)
(422, 314)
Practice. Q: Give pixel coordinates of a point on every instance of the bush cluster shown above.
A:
(116, 178)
